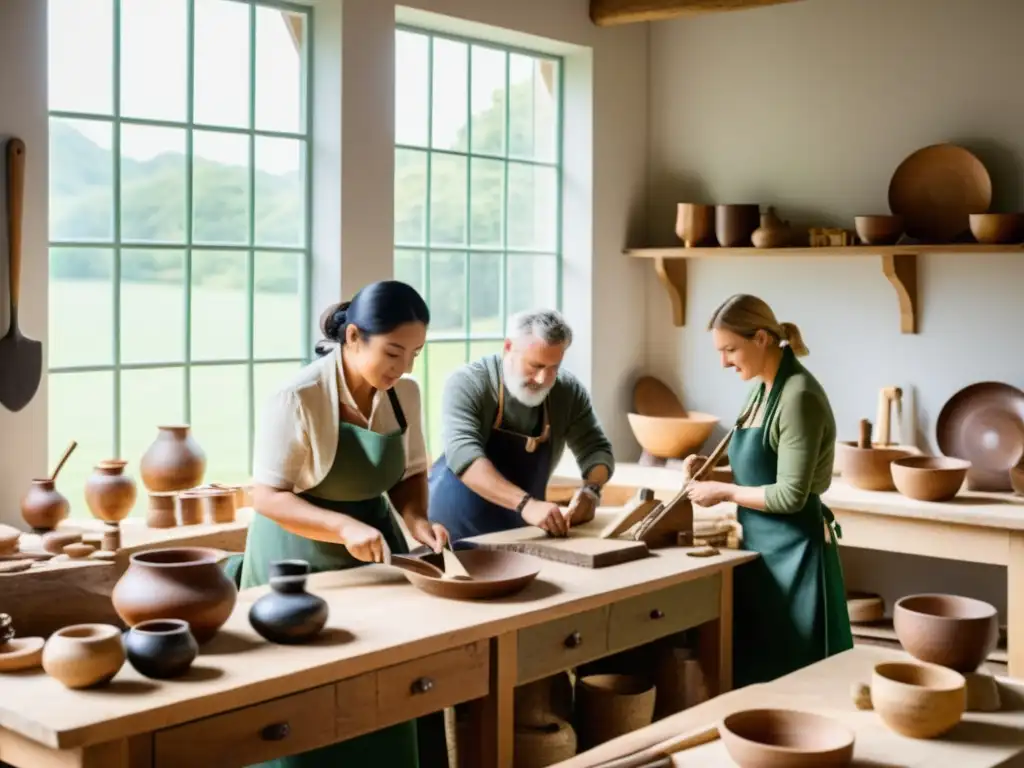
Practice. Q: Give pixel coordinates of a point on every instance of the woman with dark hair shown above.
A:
(336, 443)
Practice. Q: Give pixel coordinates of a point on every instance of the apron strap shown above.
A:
(531, 442)
(397, 408)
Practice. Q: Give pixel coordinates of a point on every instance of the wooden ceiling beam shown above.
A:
(606, 13)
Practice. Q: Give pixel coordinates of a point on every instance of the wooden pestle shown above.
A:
(864, 440)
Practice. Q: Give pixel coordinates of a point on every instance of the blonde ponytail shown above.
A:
(790, 333)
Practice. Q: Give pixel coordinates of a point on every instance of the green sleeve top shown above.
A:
(802, 432)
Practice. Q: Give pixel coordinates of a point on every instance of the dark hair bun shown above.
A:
(333, 321)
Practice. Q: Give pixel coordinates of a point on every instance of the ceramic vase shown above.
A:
(43, 507)
(109, 492)
(174, 461)
(773, 232)
(161, 649)
(184, 583)
(289, 614)
(84, 655)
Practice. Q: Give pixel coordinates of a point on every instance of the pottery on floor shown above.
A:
(174, 461)
(548, 744)
(543, 701)
(109, 492)
(176, 583)
(672, 437)
(289, 614)
(868, 468)
(949, 630)
(929, 478)
(612, 705)
(920, 701)
(878, 230)
(43, 507)
(84, 655)
(785, 738)
(161, 648)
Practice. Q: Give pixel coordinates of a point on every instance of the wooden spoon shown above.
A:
(60, 464)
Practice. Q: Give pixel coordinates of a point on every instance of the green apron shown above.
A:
(790, 603)
(366, 466)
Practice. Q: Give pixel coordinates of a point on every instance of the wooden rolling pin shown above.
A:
(659, 755)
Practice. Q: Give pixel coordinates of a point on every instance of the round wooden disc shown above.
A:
(652, 397)
(864, 607)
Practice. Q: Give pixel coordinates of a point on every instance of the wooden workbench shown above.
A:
(383, 641)
(981, 740)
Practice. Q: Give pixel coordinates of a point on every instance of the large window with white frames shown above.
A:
(179, 223)
(478, 180)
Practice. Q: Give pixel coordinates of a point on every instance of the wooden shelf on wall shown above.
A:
(606, 13)
(899, 265)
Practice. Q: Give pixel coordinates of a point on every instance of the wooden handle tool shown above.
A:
(864, 438)
(657, 754)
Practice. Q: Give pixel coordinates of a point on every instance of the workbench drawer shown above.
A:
(432, 683)
(561, 644)
(641, 619)
(285, 726)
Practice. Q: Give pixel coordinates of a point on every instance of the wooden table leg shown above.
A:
(715, 642)
(489, 731)
(134, 752)
(1015, 606)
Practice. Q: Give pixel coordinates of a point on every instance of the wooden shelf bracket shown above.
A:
(672, 274)
(901, 270)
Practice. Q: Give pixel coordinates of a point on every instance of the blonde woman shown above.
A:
(790, 603)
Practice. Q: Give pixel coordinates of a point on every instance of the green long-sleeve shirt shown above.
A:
(802, 431)
(470, 403)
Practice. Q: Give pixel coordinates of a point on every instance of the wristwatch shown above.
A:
(522, 503)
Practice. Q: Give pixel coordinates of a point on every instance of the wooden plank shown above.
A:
(581, 549)
(607, 13)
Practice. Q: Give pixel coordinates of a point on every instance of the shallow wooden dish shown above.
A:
(864, 607)
(786, 738)
(929, 478)
(997, 228)
(672, 437)
(949, 630)
(878, 230)
(494, 574)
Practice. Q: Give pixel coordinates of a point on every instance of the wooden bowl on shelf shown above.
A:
(997, 228)
(929, 478)
(948, 630)
(735, 224)
(786, 738)
(869, 468)
(695, 224)
(879, 230)
(672, 437)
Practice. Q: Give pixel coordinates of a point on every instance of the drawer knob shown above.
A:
(276, 732)
(574, 640)
(657, 613)
(422, 685)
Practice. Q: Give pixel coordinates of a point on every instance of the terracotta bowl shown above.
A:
(929, 478)
(494, 574)
(920, 701)
(878, 230)
(785, 738)
(997, 228)
(672, 437)
(869, 468)
(949, 630)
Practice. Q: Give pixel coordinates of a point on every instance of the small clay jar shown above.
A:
(162, 648)
(773, 232)
(109, 492)
(163, 509)
(84, 655)
(174, 461)
(220, 504)
(43, 506)
(190, 508)
(289, 614)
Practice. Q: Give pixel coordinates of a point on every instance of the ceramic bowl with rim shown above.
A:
(786, 738)
(920, 701)
(997, 228)
(878, 230)
(929, 478)
(948, 630)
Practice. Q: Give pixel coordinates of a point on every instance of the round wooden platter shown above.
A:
(864, 607)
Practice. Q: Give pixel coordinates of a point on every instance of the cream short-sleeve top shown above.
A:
(297, 438)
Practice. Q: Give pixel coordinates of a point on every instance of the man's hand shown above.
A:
(433, 535)
(581, 508)
(546, 516)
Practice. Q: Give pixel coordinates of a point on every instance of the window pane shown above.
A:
(152, 184)
(154, 59)
(488, 89)
(220, 311)
(450, 114)
(448, 200)
(81, 180)
(280, 192)
(149, 398)
(152, 306)
(533, 108)
(412, 72)
(447, 294)
(280, 60)
(222, 63)
(410, 196)
(80, 43)
(444, 358)
(532, 282)
(478, 349)
(485, 294)
(81, 307)
(81, 408)
(532, 207)
(278, 317)
(487, 206)
(220, 188)
(220, 420)
(410, 268)
(268, 378)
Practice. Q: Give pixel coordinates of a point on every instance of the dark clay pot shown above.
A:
(288, 615)
(161, 648)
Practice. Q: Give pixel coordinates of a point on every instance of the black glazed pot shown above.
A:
(161, 648)
(289, 615)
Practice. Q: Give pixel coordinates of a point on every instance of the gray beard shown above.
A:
(516, 386)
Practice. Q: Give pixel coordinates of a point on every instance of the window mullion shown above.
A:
(426, 231)
(115, 146)
(469, 196)
(504, 195)
(250, 258)
(190, 81)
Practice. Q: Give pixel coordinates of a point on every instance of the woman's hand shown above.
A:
(434, 535)
(692, 465)
(364, 542)
(707, 493)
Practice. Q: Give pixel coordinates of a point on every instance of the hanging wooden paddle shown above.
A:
(21, 358)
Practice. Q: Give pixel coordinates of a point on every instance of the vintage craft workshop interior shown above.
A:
(511, 384)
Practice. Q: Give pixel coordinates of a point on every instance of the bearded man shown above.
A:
(506, 420)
